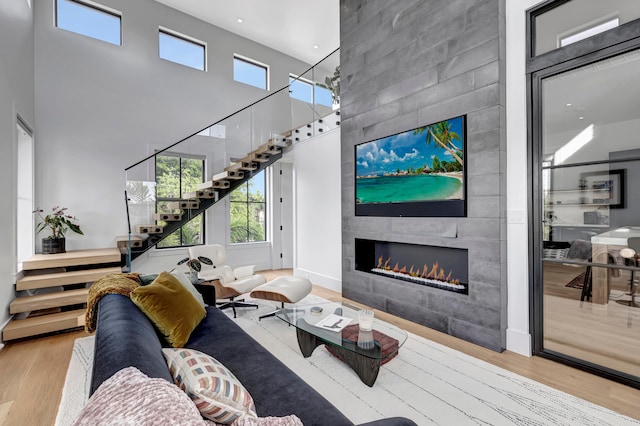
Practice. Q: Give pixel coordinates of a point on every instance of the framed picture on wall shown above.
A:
(605, 187)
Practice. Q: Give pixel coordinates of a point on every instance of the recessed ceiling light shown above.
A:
(315, 46)
(581, 118)
(240, 20)
(569, 104)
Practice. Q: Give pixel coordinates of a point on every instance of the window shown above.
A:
(306, 91)
(300, 89)
(247, 205)
(323, 96)
(89, 20)
(24, 192)
(178, 174)
(250, 72)
(561, 23)
(182, 49)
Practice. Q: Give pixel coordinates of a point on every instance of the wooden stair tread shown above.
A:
(210, 184)
(17, 329)
(248, 165)
(49, 300)
(64, 278)
(233, 167)
(126, 238)
(72, 258)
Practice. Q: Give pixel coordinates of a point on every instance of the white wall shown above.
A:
(102, 107)
(518, 333)
(317, 193)
(16, 98)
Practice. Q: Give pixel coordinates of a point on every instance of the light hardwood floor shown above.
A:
(32, 372)
(605, 334)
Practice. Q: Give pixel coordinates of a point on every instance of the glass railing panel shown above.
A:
(158, 186)
(270, 117)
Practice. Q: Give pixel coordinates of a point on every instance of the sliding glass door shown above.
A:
(585, 153)
(590, 202)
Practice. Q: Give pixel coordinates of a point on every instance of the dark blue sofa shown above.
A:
(125, 337)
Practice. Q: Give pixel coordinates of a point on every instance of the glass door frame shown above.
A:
(611, 43)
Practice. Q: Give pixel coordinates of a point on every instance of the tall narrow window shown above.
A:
(178, 174)
(248, 209)
(24, 206)
(250, 72)
(89, 20)
(182, 49)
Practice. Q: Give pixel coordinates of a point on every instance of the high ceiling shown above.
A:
(293, 27)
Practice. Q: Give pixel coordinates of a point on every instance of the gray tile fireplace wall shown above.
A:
(411, 63)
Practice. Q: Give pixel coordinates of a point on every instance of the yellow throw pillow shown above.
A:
(170, 306)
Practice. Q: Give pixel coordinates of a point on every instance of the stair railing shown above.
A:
(168, 176)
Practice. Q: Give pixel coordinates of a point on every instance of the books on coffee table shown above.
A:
(334, 322)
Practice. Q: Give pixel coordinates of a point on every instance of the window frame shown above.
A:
(296, 78)
(313, 86)
(180, 157)
(247, 203)
(624, 33)
(188, 39)
(611, 43)
(96, 7)
(257, 64)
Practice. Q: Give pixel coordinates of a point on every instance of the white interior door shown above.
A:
(286, 214)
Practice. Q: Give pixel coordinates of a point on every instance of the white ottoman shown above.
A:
(285, 289)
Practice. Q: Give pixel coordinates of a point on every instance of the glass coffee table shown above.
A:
(363, 350)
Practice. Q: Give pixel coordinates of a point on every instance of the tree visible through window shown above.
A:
(248, 211)
(177, 175)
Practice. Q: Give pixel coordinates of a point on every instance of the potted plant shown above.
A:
(195, 266)
(57, 222)
(333, 83)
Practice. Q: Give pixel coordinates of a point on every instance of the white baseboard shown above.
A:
(519, 342)
(2, 328)
(319, 279)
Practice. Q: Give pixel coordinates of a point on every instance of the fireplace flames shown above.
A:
(434, 276)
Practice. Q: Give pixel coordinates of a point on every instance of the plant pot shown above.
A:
(53, 245)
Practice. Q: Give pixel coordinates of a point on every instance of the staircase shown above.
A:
(66, 277)
(208, 193)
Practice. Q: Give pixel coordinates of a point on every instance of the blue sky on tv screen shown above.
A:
(401, 151)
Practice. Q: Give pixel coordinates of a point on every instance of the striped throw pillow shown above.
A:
(217, 393)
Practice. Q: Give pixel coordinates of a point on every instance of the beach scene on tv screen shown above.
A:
(424, 164)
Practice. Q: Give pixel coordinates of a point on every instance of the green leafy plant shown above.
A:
(195, 265)
(57, 222)
(333, 83)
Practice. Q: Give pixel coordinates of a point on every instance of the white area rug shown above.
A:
(77, 384)
(427, 382)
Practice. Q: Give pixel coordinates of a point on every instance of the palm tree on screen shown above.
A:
(441, 134)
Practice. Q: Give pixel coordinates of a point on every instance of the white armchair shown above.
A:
(229, 282)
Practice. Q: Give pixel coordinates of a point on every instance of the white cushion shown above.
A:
(245, 285)
(244, 271)
(290, 287)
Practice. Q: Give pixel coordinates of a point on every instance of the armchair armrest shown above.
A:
(244, 271)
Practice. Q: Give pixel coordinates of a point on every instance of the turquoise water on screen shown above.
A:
(397, 189)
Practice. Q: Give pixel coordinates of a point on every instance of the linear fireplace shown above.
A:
(432, 266)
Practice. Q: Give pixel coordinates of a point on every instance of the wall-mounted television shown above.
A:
(416, 173)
